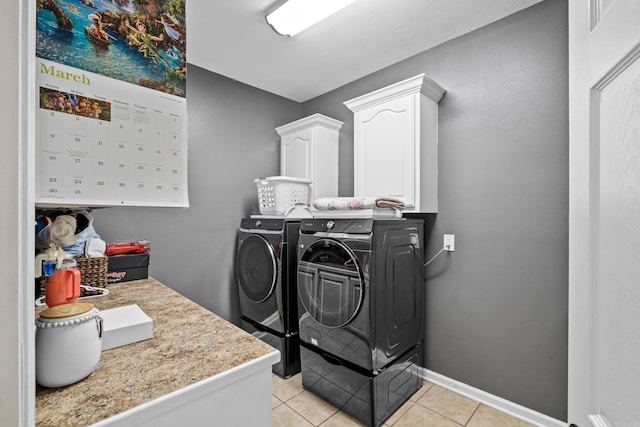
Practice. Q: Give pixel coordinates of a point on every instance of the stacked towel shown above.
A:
(345, 203)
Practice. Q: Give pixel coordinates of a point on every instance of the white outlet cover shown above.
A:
(449, 240)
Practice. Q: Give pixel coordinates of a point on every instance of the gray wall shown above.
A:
(232, 141)
(496, 308)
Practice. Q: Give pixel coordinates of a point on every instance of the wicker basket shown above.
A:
(93, 271)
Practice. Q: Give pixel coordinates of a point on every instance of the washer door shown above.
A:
(330, 283)
(256, 268)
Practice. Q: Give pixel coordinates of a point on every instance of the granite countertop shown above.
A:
(189, 344)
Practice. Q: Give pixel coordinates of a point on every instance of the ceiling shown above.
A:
(232, 38)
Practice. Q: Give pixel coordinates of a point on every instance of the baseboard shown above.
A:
(491, 400)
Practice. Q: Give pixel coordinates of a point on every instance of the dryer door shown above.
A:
(256, 267)
(330, 283)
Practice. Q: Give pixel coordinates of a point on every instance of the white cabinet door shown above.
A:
(386, 150)
(296, 155)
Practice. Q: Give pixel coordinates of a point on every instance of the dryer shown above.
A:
(360, 293)
(266, 274)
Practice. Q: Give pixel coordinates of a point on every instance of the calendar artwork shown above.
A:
(112, 113)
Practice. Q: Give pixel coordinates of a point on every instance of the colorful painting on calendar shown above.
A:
(137, 41)
(71, 103)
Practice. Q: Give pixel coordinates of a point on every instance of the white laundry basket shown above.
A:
(276, 194)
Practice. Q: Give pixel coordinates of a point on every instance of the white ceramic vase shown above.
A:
(68, 349)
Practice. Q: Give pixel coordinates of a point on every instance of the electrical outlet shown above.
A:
(450, 242)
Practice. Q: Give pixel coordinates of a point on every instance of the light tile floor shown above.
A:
(431, 406)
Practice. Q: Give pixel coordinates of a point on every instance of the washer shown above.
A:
(360, 286)
(360, 291)
(266, 274)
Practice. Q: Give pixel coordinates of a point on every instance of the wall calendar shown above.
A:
(112, 115)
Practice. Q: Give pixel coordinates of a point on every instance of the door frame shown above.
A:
(17, 402)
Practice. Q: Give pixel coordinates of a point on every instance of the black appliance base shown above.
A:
(367, 396)
(289, 347)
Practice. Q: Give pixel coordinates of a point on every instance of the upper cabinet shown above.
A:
(396, 143)
(309, 149)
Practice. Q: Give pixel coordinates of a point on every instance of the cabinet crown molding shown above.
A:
(306, 122)
(419, 83)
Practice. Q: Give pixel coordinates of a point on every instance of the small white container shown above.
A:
(68, 344)
(277, 194)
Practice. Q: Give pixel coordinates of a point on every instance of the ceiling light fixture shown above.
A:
(294, 16)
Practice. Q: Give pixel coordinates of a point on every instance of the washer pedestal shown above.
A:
(288, 345)
(368, 396)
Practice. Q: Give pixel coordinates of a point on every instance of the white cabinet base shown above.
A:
(238, 397)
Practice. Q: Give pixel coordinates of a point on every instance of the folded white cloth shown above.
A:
(345, 203)
(94, 248)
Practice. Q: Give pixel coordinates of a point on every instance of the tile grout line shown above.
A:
(435, 411)
(303, 417)
(474, 412)
(308, 420)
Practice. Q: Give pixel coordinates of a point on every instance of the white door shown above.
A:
(604, 225)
